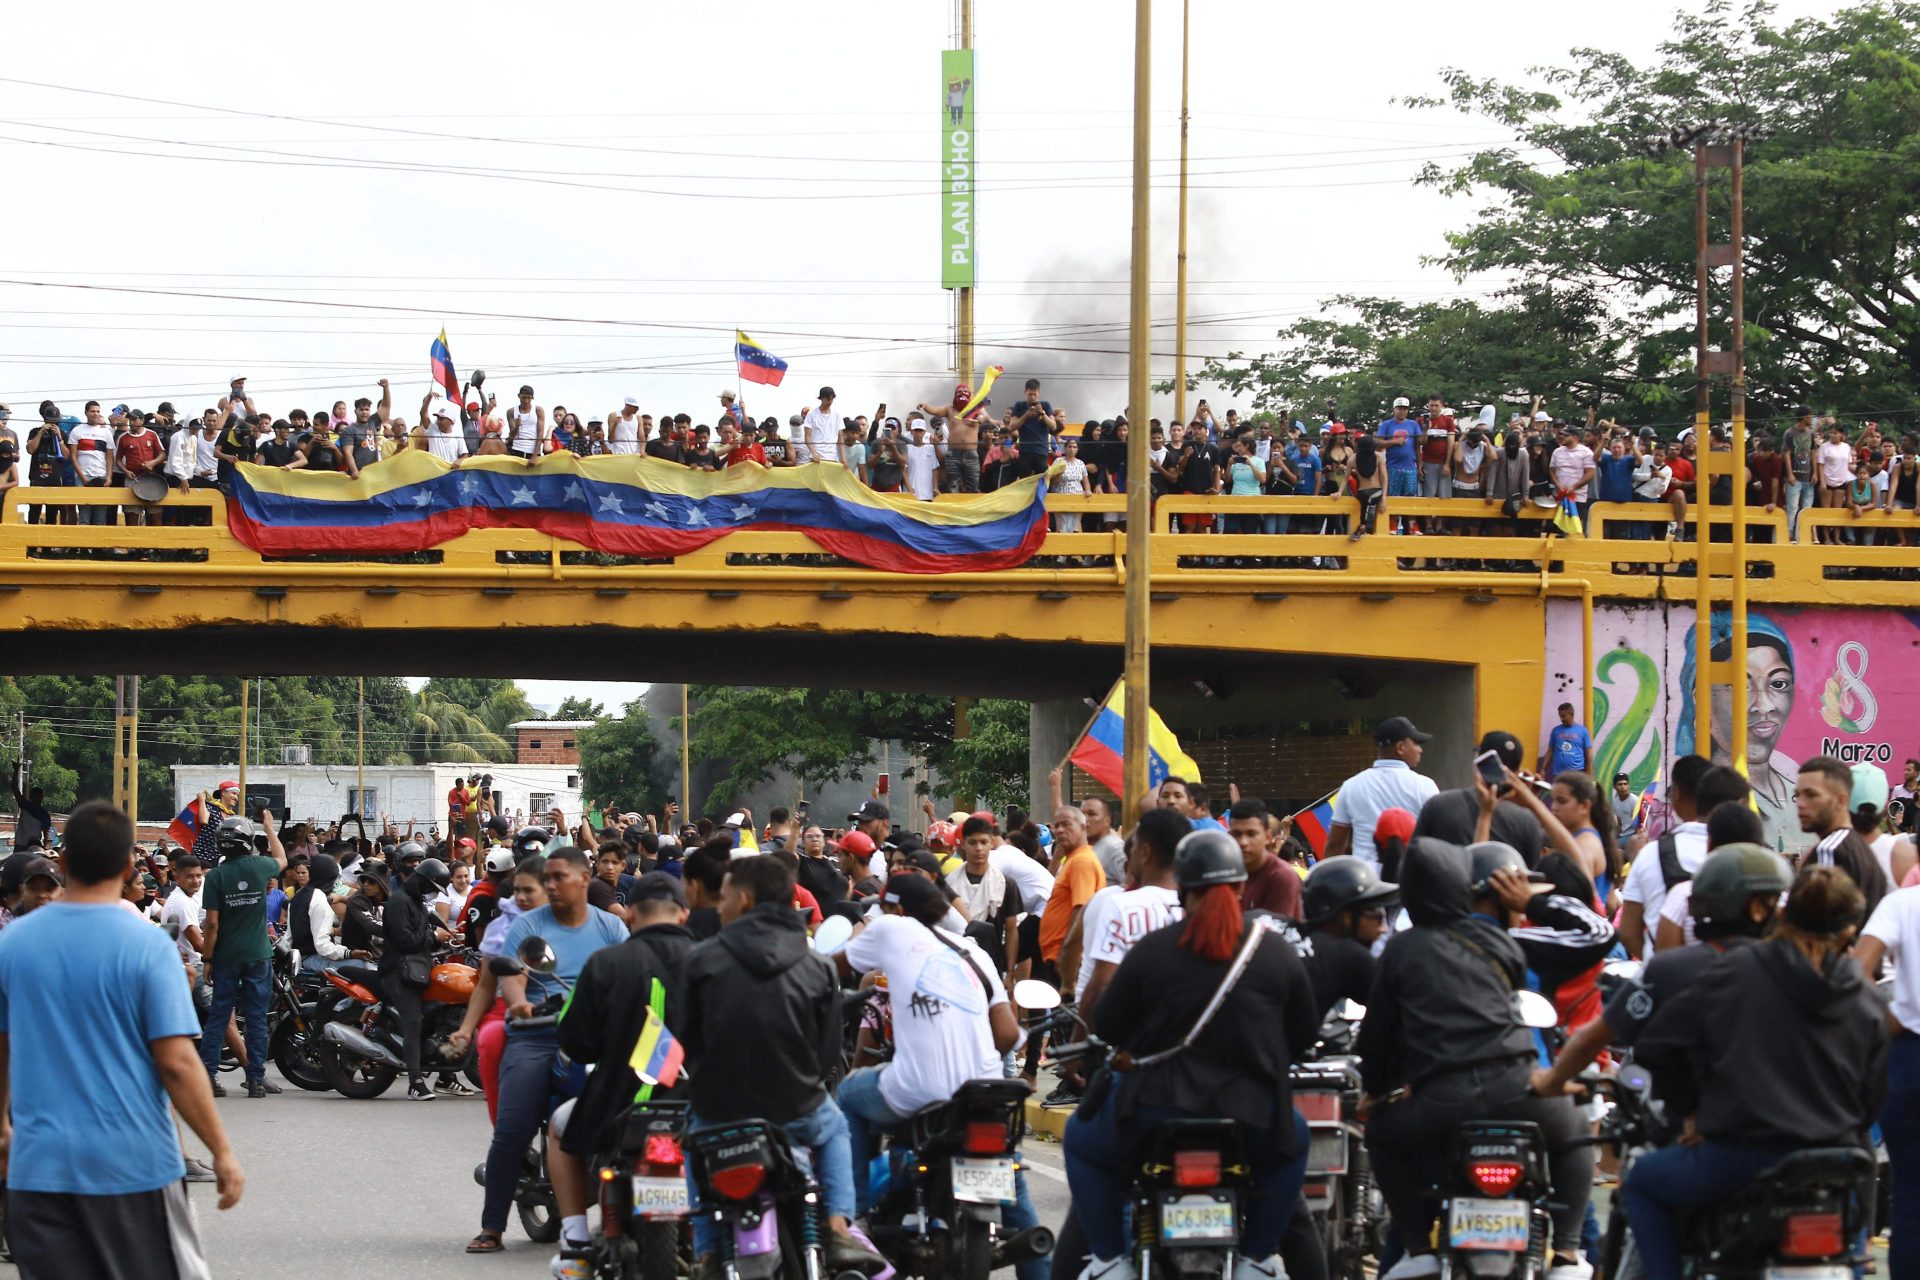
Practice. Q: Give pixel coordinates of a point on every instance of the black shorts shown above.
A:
(146, 1235)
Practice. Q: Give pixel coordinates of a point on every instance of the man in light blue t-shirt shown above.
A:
(96, 1036)
(1569, 746)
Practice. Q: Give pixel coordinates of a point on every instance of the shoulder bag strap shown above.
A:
(1257, 931)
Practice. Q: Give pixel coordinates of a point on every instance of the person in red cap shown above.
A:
(1390, 836)
(963, 441)
(857, 851)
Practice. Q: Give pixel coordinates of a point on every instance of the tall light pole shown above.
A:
(1180, 285)
(963, 300)
(1139, 501)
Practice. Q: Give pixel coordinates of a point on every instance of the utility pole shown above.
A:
(963, 299)
(133, 753)
(246, 687)
(360, 747)
(120, 743)
(1139, 500)
(686, 759)
(1180, 286)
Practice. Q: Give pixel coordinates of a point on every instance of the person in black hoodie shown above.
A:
(1442, 1027)
(1777, 1047)
(762, 1029)
(411, 930)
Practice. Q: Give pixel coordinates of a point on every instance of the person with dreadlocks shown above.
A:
(1233, 991)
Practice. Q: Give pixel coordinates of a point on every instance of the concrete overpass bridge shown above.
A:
(1463, 631)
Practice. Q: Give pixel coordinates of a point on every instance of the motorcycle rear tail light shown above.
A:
(1495, 1177)
(662, 1148)
(1811, 1235)
(1317, 1106)
(986, 1137)
(739, 1182)
(1196, 1168)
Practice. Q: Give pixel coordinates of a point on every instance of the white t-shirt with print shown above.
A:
(1073, 477)
(90, 462)
(941, 1035)
(1644, 884)
(1116, 918)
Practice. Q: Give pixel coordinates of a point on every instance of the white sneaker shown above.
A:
(1570, 1267)
(1414, 1265)
(1270, 1268)
(569, 1268)
(1120, 1268)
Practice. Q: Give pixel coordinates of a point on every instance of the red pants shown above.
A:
(489, 1042)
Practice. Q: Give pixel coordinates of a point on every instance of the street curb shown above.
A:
(1049, 1121)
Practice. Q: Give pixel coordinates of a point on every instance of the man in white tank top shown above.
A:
(623, 429)
(527, 428)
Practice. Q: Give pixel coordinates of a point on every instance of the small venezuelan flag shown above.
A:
(186, 825)
(757, 364)
(1101, 751)
(441, 361)
(1312, 823)
(656, 1054)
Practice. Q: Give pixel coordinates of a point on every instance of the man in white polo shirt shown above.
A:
(1390, 783)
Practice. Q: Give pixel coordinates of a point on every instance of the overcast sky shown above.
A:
(679, 170)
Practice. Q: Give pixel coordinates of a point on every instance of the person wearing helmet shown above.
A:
(1235, 1067)
(310, 919)
(1549, 913)
(238, 947)
(1443, 1042)
(407, 958)
(1736, 895)
(1345, 905)
(484, 899)
(1777, 1048)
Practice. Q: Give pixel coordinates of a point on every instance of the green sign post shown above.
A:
(956, 169)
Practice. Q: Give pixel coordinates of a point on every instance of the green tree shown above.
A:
(447, 730)
(990, 763)
(578, 708)
(1591, 234)
(617, 761)
(494, 703)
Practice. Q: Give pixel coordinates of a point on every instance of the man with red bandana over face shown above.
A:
(963, 441)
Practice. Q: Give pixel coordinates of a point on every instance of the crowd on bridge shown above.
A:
(1427, 451)
(1754, 1007)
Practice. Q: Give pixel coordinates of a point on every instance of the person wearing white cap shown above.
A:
(440, 419)
(1399, 435)
(628, 429)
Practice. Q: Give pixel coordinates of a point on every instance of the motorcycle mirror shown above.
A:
(1632, 1075)
(1623, 970)
(1350, 1010)
(831, 938)
(1035, 996)
(505, 966)
(1535, 1010)
(537, 955)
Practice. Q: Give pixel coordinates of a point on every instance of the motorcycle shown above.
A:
(1339, 1189)
(1493, 1198)
(1801, 1220)
(360, 1042)
(645, 1209)
(294, 1021)
(763, 1199)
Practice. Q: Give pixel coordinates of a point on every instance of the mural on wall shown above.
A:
(1838, 682)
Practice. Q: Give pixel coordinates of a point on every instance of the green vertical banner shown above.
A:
(956, 169)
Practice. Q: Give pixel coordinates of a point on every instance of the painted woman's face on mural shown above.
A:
(1769, 703)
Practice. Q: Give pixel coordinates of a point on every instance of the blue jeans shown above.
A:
(867, 1113)
(1799, 498)
(1275, 523)
(316, 963)
(1664, 1182)
(250, 985)
(1402, 482)
(522, 1101)
(823, 1132)
(1900, 1127)
(1100, 1152)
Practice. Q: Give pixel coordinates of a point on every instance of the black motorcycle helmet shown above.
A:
(1208, 857)
(233, 838)
(429, 878)
(531, 841)
(1338, 883)
(409, 855)
(1489, 856)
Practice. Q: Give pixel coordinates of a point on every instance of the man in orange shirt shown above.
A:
(1077, 876)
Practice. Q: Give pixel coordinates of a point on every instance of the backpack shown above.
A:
(1671, 872)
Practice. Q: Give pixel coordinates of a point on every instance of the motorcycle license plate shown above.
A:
(1495, 1225)
(983, 1181)
(1198, 1220)
(1809, 1273)
(660, 1197)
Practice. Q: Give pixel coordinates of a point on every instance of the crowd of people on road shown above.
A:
(1424, 451)
(1755, 1005)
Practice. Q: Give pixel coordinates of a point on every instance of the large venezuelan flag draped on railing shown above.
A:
(637, 506)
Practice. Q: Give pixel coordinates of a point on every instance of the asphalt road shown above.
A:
(385, 1188)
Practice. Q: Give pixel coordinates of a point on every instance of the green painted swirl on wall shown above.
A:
(1618, 742)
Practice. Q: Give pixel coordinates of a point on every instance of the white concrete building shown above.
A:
(406, 793)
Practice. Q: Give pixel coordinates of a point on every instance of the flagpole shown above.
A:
(1139, 501)
(1087, 728)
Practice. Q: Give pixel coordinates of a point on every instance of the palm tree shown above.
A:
(443, 730)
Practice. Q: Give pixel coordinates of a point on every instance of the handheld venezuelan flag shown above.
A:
(185, 828)
(656, 1054)
(1567, 519)
(441, 361)
(987, 380)
(757, 364)
(1101, 751)
(1312, 823)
